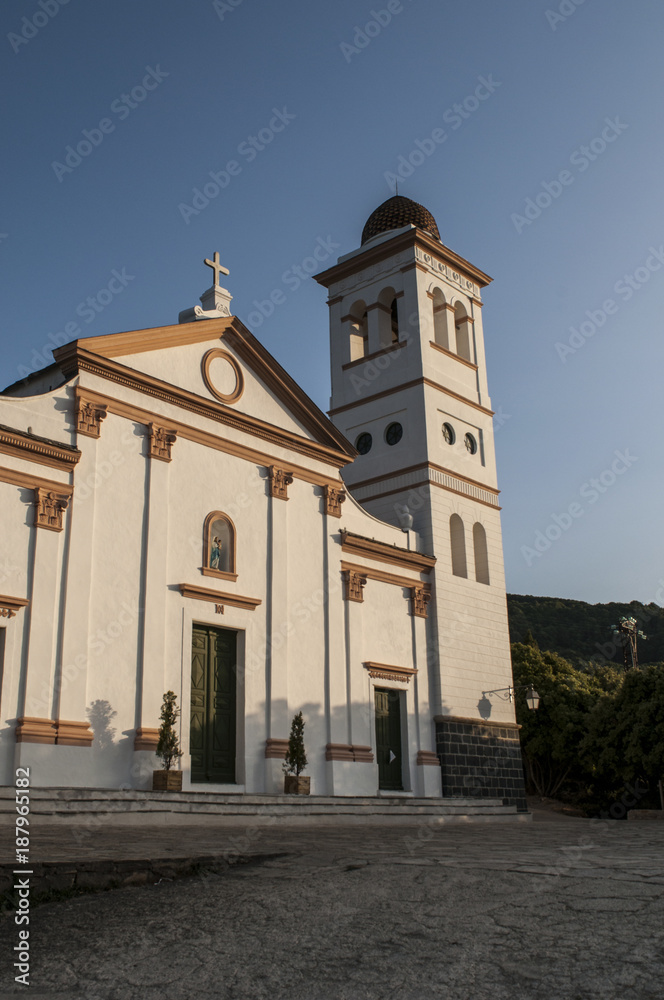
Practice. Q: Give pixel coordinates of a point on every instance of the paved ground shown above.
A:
(563, 909)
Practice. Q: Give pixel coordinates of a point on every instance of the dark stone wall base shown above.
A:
(482, 761)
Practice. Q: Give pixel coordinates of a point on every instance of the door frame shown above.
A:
(404, 711)
(189, 622)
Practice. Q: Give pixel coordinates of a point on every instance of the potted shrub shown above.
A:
(168, 748)
(296, 760)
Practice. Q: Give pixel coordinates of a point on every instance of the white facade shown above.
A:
(121, 461)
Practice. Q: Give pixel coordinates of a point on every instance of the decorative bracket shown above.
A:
(161, 441)
(280, 480)
(420, 597)
(334, 497)
(49, 508)
(354, 584)
(89, 417)
(10, 605)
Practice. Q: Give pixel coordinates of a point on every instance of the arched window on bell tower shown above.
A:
(358, 330)
(481, 554)
(440, 320)
(463, 339)
(388, 317)
(458, 544)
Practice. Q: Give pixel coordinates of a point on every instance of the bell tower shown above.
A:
(409, 390)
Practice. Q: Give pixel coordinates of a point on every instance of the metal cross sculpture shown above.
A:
(216, 267)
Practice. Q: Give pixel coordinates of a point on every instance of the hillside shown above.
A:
(581, 632)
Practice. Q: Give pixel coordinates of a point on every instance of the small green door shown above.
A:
(388, 738)
(213, 708)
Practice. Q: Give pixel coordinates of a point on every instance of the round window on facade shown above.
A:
(363, 443)
(448, 434)
(470, 443)
(394, 433)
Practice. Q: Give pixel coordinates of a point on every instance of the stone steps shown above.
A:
(82, 806)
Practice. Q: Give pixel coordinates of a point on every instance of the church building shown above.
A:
(177, 514)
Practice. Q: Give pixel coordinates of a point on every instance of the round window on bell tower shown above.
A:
(394, 433)
(363, 443)
(470, 443)
(448, 434)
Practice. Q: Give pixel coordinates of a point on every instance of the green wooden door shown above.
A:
(388, 738)
(213, 708)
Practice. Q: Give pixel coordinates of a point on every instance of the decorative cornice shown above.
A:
(19, 444)
(10, 605)
(383, 577)
(386, 672)
(276, 749)
(32, 730)
(160, 442)
(205, 438)
(427, 757)
(29, 482)
(354, 583)
(216, 597)
(329, 446)
(334, 497)
(49, 508)
(422, 380)
(384, 552)
(146, 739)
(391, 248)
(89, 417)
(280, 480)
(451, 354)
(434, 476)
(73, 734)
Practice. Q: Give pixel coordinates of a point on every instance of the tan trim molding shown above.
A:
(416, 468)
(382, 577)
(40, 450)
(354, 584)
(427, 757)
(73, 734)
(146, 739)
(33, 730)
(334, 497)
(359, 546)
(10, 605)
(275, 749)
(329, 444)
(376, 354)
(160, 442)
(280, 480)
(29, 482)
(419, 599)
(216, 597)
(422, 380)
(389, 673)
(427, 482)
(476, 722)
(451, 354)
(404, 241)
(231, 397)
(49, 508)
(344, 751)
(185, 432)
(89, 417)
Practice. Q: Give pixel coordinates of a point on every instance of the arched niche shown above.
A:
(481, 553)
(458, 546)
(219, 546)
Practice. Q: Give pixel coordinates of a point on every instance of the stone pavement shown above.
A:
(562, 908)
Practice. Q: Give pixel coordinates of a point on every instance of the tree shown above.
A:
(296, 758)
(168, 747)
(551, 737)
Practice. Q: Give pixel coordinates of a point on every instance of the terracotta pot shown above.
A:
(167, 781)
(296, 785)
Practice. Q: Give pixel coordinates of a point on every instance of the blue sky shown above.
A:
(571, 89)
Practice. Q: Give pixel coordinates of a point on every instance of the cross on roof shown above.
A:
(216, 267)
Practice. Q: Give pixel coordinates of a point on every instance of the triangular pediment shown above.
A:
(217, 361)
